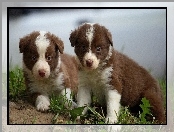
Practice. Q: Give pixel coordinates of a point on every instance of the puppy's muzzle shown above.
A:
(42, 73)
(89, 63)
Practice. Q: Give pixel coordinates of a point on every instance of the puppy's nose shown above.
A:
(41, 72)
(89, 62)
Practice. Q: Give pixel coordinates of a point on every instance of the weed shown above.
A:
(60, 105)
(16, 83)
(125, 117)
(145, 106)
(34, 120)
(162, 83)
(76, 112)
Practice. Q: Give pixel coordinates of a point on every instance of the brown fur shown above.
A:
(28, 47)
(69, 67)
(132, 81)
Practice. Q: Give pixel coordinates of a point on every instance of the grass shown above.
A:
(96, 113)
(162, 83)
(16, 84)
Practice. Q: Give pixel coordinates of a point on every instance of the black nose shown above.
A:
(89, 62)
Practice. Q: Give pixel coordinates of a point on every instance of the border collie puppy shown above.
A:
(46, 69)
(112, 77)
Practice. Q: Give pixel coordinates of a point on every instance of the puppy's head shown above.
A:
(40, 52)
(92, 44)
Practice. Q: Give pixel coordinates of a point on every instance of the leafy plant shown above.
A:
(60, 105)
(95, 116)
(76, 112)
(57, 107)
(162, 83)
(125, 116)
(145, 106)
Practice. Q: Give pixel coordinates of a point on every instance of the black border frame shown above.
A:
(35, 8)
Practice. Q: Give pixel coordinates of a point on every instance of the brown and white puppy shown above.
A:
(112, 77)
(46, 70)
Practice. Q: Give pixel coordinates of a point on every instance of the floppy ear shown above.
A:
(58, 42)
(23, 43)
(73, 38)
(26, 40)
(109, 36)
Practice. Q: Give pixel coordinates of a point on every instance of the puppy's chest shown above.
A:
(47, 86)
(98, 81)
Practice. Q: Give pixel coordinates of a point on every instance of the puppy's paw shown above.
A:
(74, 105)
(111, 119)
(78, 119)
(42, 103)
(114, 128)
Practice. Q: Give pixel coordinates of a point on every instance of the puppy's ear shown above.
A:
(109, 37)
(58, 42)
(73, 38)
(26, 40)
(23, 42)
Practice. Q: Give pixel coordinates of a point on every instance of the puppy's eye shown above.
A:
(98, 49)
(83, 48)
(33, 58)
(48, 58)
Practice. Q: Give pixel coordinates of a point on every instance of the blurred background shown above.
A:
(138, 33)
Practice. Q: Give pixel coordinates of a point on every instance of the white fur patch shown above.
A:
(109, 53)
(42, 44)
(113, 105)
(60, 81)
(98, 82)
(83, 95)
(106, 75)
(90, 34)
(107, 57)
(41, 65)
(42, 103)
(46, 86)
(59, 61)
(112, 96)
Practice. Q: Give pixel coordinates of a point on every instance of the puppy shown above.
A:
(46, 69)
(112, 77)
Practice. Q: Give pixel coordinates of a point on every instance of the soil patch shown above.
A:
(22, 112)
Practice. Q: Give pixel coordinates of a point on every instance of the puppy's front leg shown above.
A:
(42, 103)
(68, 102)
(83, 98)
(113, 105)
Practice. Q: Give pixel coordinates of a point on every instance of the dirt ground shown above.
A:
(22, 112)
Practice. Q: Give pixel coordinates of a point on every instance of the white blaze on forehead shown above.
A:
(90, 34)
(42, 43)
